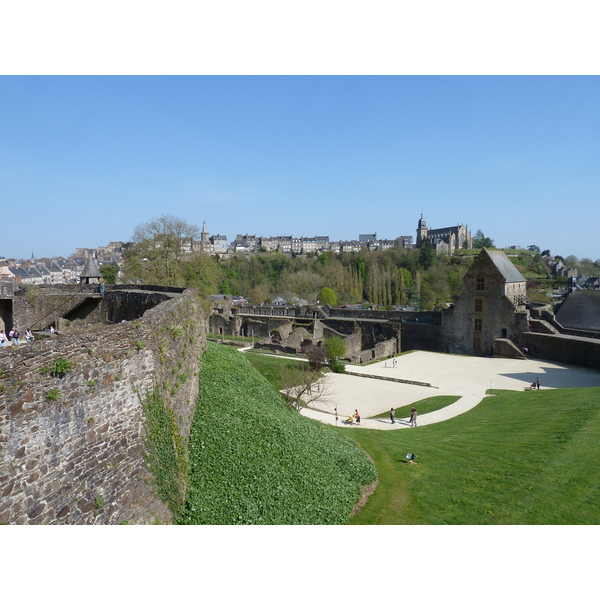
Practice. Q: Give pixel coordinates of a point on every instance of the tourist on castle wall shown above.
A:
(14, 335)
(3, 339)
(29, 336)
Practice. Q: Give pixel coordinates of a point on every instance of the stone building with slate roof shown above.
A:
(580, 310)
(492, 306)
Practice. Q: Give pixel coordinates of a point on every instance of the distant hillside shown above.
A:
(255, 461)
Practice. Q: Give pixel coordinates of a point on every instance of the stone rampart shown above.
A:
(71, 447)
(62, 305)
(562, 349)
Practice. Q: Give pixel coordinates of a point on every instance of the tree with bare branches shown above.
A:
(157, 248)
(302, 385)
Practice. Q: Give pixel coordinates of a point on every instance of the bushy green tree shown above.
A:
(109, 272)
(426, 255)
(327, 296)
(335, 347)
(481, 241)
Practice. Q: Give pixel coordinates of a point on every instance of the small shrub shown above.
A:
(175, 332)
(139, 345)
(52, 395)
(337, 367)
(61, 367)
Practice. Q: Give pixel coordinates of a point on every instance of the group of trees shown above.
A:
(159, 254)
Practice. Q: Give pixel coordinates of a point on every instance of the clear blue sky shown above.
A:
(83, 160)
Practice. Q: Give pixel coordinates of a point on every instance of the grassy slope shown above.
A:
(517, 458)
(271, 367)
(252, 460)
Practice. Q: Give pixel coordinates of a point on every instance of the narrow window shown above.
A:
(480, 284)
(478, 324)
(478, 305)
(476, 343)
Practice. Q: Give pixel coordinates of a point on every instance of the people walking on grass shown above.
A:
(537, 382)
(413, 417)
(392, 415)
(357, 417)
(3, 338)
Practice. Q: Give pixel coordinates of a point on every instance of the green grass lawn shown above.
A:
(517, 458)
(272, 367)
(424, 406)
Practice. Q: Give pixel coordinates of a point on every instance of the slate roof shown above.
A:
(507, 269)
(580, 310)
(91, 269)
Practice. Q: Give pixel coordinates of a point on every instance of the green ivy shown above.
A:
(252, 461)
(165, 454)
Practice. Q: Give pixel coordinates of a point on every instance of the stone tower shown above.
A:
(421, 231)
(91, 271)
(204, 237)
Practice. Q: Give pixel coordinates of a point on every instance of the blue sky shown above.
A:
(84, 159)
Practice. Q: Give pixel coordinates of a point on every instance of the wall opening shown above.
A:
(6, 314)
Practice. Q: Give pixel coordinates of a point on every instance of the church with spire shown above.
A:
(211, 244)
(445, 240)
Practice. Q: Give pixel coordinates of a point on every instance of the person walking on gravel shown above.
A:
(413, 417)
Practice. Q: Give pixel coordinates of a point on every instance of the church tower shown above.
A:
(421, 231)
(204, 237)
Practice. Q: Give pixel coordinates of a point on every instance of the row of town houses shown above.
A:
(245, 243)
(55, 271)
(310, 245)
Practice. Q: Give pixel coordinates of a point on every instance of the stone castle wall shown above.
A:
(71, 448)
(38, 306)
(562, 349)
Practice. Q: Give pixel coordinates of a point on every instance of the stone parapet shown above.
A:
(71, 447)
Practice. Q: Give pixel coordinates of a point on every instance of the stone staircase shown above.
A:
(505, 348)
